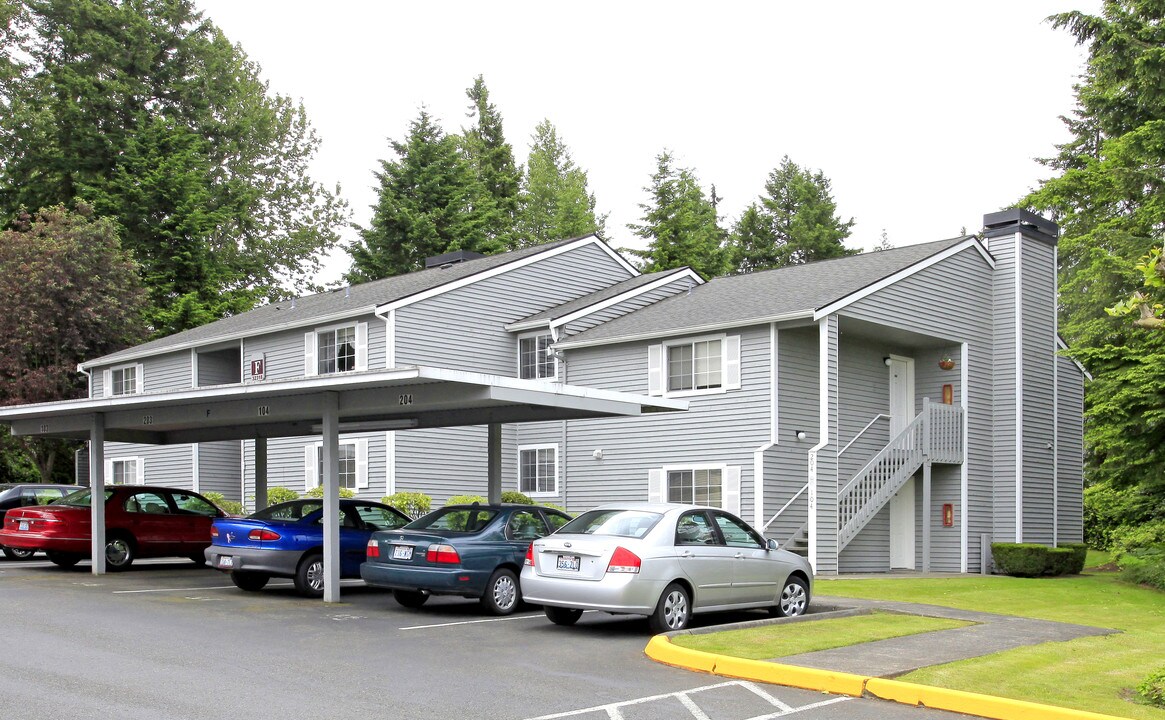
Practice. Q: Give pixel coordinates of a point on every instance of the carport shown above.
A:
(394, 399)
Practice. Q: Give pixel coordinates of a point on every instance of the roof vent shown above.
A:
(451, 258)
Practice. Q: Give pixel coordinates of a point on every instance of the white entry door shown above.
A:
(901, 393)
(902, 504)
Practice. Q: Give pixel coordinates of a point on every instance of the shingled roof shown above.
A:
(599, 296)
(304, 311)
(761, 296)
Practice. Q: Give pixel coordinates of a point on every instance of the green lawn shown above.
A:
(1097, 674)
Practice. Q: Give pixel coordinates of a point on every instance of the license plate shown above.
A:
(226, 561)
(569, 562)
(402, 552)
(23, 525)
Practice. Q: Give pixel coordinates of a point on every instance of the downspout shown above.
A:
(758, 455)
(964, 473)
(823, 429)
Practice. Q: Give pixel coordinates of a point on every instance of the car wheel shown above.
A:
(502, 593)
(63, 559)
(562, 616)
(119, 552)
(411, 598)
(18, 553)
(794, 598)
(674, 610)
(250, 581)
(309, 578)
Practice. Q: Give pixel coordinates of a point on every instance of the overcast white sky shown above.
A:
(925, 115)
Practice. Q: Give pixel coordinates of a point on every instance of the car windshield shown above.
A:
(81, 498)
(455, 519)
(624, 523)
(293, 510)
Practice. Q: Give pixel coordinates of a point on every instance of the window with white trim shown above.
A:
(125, 471)
(336, 349)
(713, 485)
(694, 366)
(123, 380)
(534, 359)
(538, 470)
(352, 459)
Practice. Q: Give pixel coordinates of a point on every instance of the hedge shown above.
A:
(1034, 560)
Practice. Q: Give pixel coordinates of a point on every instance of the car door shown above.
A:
(192, 517)
(148, 518)
(523, 528)
(703, 557)
(756, 576)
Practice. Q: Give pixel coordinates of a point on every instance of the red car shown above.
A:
(140, 521)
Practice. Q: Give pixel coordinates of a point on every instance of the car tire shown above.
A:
(63, 559)
(411, 598)
(309, 576)
(250, 581)
(18, 553)
(673, 611)
(119, 552)
(794, 598)
(502, 593)
(562, 616)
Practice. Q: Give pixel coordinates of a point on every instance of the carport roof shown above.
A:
(400, 398)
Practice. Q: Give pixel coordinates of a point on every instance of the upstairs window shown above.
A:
(694, 366)
(336, 349)
(123, 380)
(534, 360)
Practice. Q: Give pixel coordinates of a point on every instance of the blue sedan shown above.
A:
(474, 551)
(287, 540)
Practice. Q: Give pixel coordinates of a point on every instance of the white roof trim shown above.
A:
(1060, 344)
(693, 330)
(504, 268)
(865, 292)
(603, 305)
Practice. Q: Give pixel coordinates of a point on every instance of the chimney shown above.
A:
(451, 258)
(1013, 220)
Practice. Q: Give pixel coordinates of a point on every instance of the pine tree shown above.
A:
(555, 202)
(430, 202)
(493, 159)
(679, 223)
(795, 222)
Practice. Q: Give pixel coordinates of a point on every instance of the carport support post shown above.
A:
(331, 482)
(260, 473)
(97, 492)
(494, 466)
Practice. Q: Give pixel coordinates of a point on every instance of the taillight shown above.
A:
(623, 561)
(262, 534)
(445, 554)
(373, 549)
(529, 556)
(213, 531)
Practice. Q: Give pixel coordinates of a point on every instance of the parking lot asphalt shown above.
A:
(167, 639)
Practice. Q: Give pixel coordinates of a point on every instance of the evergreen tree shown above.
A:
(555, 202)
(1109, 202)
(679, 223)
(493, 159)
(147, 112)
(795, 222)
(430, 202)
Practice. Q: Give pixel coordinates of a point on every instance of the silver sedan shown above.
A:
(665, 561)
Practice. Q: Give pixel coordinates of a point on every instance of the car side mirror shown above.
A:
(773, 545)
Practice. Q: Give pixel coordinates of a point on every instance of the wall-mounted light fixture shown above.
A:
(800, 434)
(887, 360)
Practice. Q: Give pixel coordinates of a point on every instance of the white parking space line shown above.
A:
(343, 583)
(614, 711)
(470, 622)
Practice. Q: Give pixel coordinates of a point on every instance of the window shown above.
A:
(353, 464)
(694, 366)
(525, 525)
(737, 534)
(194, 504)
(377, 518)
(147, 502)
(538, 470)
(123, 380)
(534, 362)
(124, 471)
(694, 529)
(695, 487)
(335, 349)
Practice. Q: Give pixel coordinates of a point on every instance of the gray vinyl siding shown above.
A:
(827, 480)
(220, 367)
(1039, 419)
(442, 462)
(1070, 452)
(864, 382)
(945, 542)
(165, 465)
(629, 305)
(869, 552)
(464, 329)
(786, 464)
(1004, 525)
(718, 428)
(171, 371)
(286, 465)
(220, 468)
(284, 351)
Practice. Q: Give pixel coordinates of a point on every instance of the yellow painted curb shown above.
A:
(969, 703)
(661, 649)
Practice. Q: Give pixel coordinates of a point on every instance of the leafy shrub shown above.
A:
(513, 496)
(1140, 537)
(1079, 557)
(413, 504)
(1059, 561)
(230, 507)
(1153, 688)
(318, 492)
(466, 500)
(1144, 567)
(279, 494)
(1110, 513)
(1020, 559)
